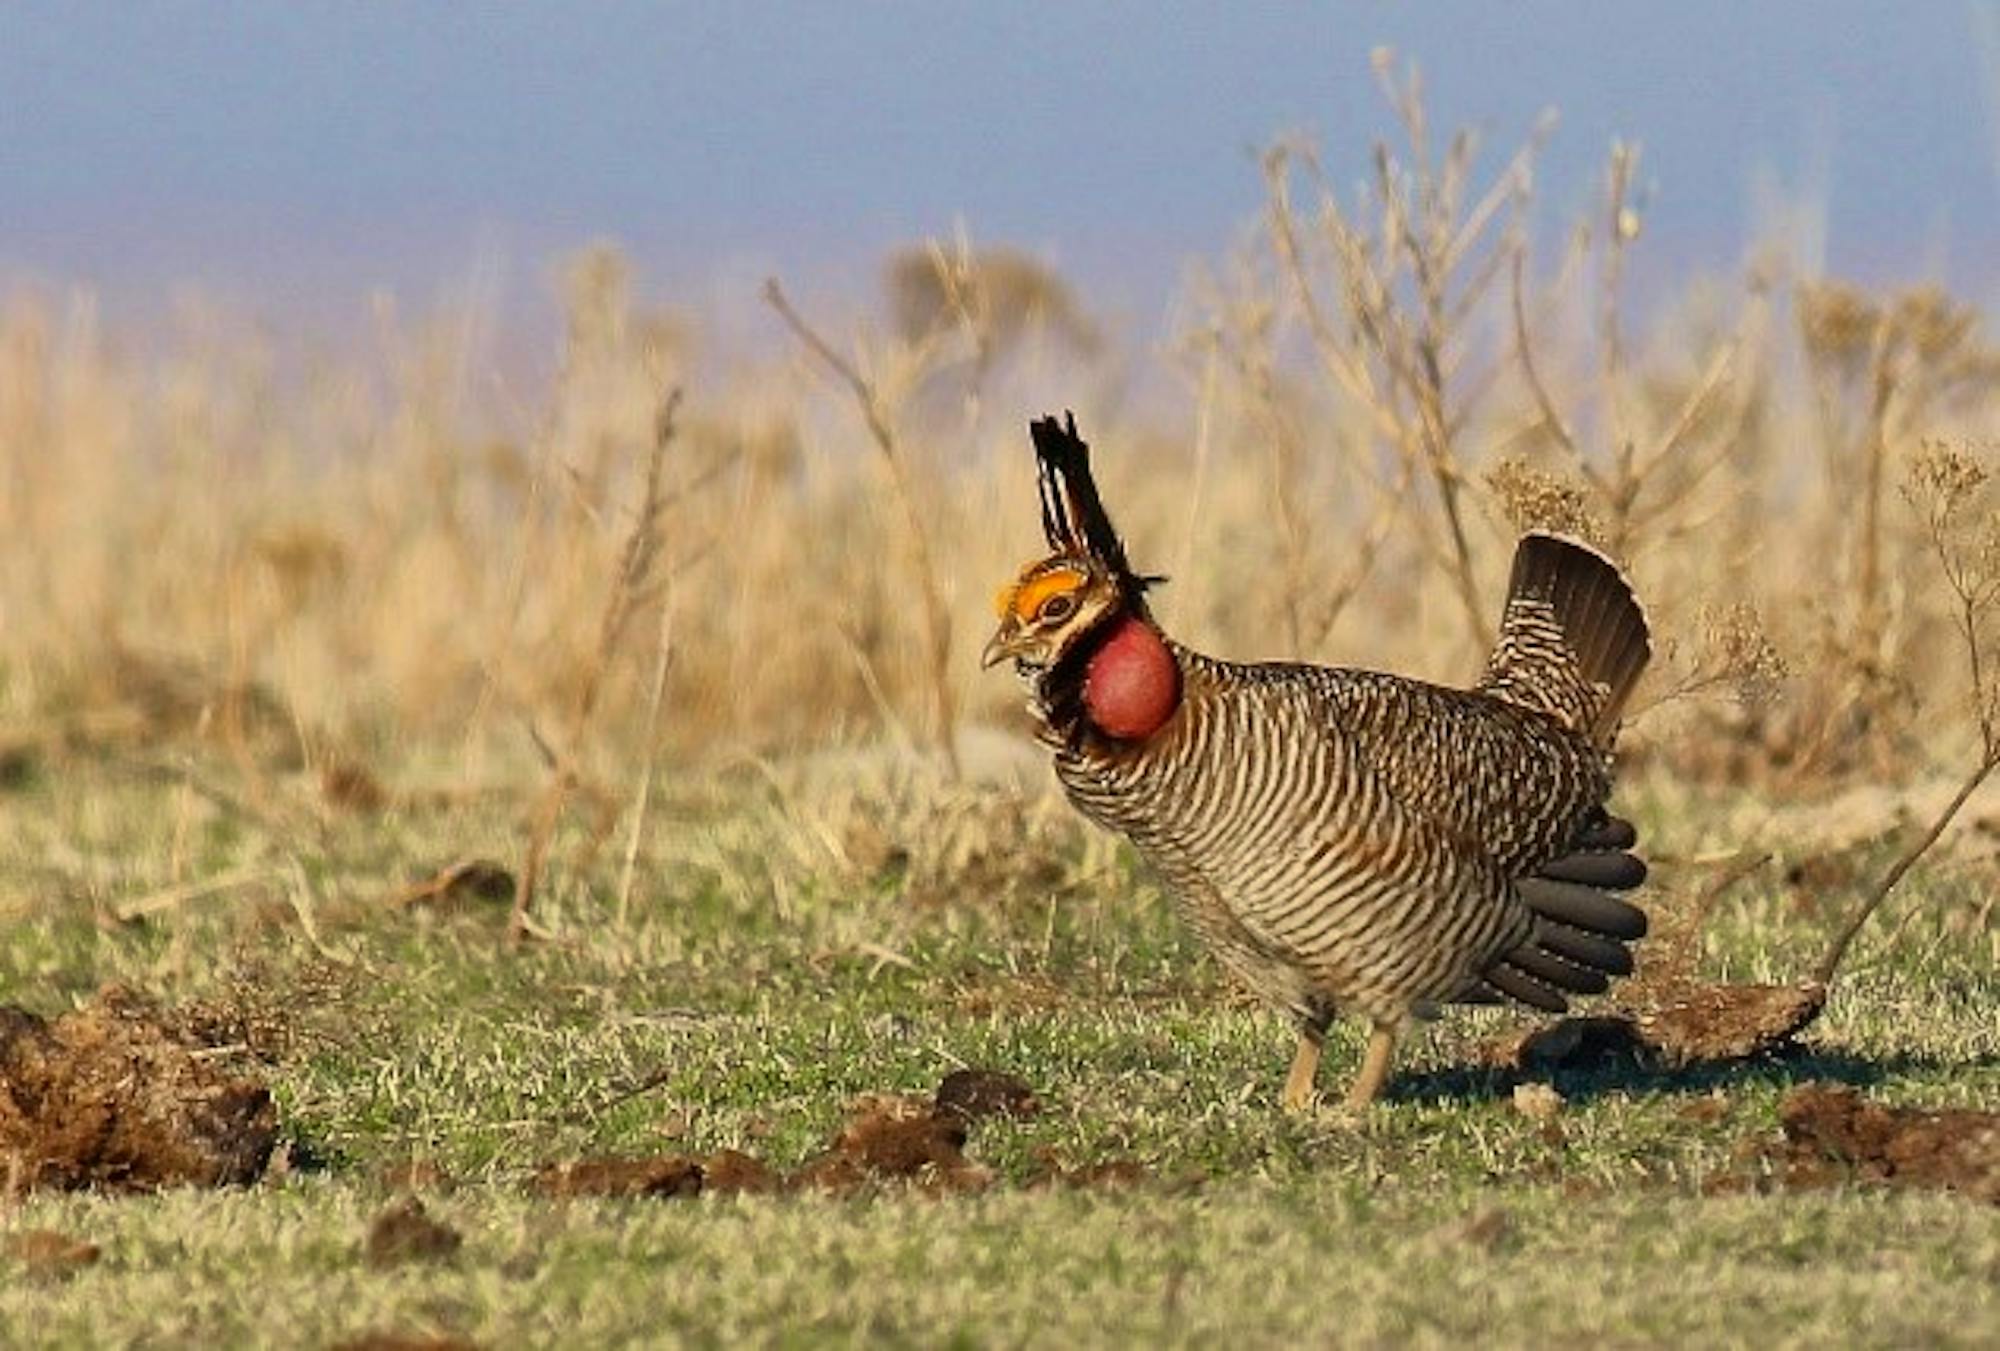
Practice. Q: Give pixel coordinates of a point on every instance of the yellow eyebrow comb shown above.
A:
(1023, 599)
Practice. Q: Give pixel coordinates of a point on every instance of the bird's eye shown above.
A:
(1057, 608)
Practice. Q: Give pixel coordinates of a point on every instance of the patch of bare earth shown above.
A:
(888, 1139)
(1685, 1024)
(112, 1096)
(1833, 1137)
(406, 1341)
(405, 1232)
(47, 1254)
(666, 1175)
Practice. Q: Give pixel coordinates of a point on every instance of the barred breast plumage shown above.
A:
(1344, 839)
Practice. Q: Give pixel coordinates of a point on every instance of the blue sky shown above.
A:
(293, 156)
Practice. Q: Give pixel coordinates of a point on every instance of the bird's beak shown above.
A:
(999, 647)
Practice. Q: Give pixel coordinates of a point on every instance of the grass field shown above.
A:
(771, 973)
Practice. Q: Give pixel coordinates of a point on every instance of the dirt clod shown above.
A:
(887, 1138)
(898, 1138)
(48, 1254)
(463, 885)
(406, 1341)
(731, 1171)
(665, 1175)
(109, 1097)
(973, 1094)
(1682, 1025)
(405, 1232)
(1833, 1135)
(1729, 1022)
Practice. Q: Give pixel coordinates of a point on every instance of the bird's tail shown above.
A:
(1583, 932)
(1573, 639)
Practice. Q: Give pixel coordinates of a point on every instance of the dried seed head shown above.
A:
(1535, 499)
(1738, 652)
(1837, 321)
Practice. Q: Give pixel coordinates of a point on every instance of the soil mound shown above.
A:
(1833, 1135)
(109, 1096)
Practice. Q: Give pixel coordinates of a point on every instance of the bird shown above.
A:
(1347, 841)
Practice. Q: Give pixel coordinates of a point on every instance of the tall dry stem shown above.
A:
(936, 615)
(1949, 490)
(632, 582)
(1880, 371)
(663, 661)
(1411, 268)
(1644, 480)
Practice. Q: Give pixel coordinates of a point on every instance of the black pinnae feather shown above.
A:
(1055, 513)
(1073, 515)
(1060, 456)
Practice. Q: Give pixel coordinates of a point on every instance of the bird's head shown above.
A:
(1075, 621)
(1054, 605)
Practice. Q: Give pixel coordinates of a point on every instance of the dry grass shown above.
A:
(381, 575)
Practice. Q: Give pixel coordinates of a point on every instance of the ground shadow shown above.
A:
(1626, 1072)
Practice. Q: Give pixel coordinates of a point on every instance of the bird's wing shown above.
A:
(1440, 807)
(1509, 782)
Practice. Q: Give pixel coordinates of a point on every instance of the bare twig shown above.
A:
(1837, 951)
(1737, 870)
(1410, 280)
(1621, 228)
(937, 617)
(663, 658)
(637, 559)
(166, 898)
(1552, 417)
(1943, 487)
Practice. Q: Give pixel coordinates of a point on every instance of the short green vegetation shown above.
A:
(787, 951)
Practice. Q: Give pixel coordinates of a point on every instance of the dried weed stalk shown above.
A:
(1735, 655)
(1409, 268)
(876, 415)
(1952, 494)
(993, 299)
(1243, 340)
(1879, 370)
(634, 581)
(1535, 499)
(663, 662)
(1645, 479)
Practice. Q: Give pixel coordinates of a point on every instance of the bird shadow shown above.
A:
(1623, 1072)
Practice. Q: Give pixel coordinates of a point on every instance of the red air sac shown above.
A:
(1132, 685)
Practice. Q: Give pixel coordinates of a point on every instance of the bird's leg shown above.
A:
(1374, 1066)
(1305, 1067)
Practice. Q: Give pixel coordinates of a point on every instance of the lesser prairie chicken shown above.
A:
(1347, 840)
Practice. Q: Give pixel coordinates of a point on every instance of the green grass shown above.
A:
(789, 949)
